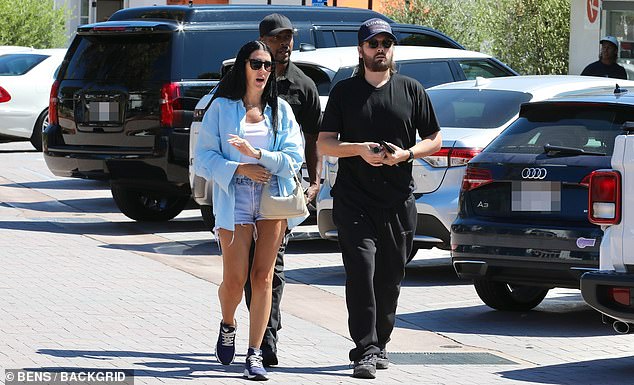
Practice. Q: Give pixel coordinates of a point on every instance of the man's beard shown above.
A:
(373, 65)
(282, 58)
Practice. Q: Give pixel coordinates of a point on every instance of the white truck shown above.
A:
(610, 290)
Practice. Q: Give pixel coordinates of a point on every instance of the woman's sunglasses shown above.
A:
(386, 43)
(256, 64)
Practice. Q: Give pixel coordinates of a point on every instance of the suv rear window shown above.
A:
(204, 51)
(19, 64)
(117, 57)
(476, 108)
(587, 127)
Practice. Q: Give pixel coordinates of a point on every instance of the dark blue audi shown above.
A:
(522, 226)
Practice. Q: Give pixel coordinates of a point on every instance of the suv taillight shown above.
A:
(604, 198)
(4, 95)
(475, 177)
(53, 101)
(451, 157)
(170, 101)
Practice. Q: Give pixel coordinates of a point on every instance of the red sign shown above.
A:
(592, 10)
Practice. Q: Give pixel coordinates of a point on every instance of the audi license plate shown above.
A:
(536, 196)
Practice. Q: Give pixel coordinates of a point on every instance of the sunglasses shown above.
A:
(386, 43)
(256, 64)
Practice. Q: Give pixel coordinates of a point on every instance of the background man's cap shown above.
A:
(610, 39)
(373, 27)
(275, 23)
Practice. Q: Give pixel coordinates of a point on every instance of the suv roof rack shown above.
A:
(243, 12)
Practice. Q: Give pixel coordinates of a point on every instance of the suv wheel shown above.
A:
(510, 297)
(147, 206)
(207, 212)
(40, 125)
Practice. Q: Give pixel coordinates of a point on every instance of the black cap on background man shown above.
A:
(275, 23)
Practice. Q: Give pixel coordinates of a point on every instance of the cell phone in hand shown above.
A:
(387, 147)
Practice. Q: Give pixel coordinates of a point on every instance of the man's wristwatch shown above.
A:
(411, 156)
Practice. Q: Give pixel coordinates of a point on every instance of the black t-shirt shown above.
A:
(608, 71)
(301, 93)
(359, 112)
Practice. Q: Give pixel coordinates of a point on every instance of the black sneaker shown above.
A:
(382, 362)
(253, 368)
(365, 367)
(226, 345)
(269, 356)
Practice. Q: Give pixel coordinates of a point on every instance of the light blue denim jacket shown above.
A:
(215, 159)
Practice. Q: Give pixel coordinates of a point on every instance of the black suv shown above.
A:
(124, 98)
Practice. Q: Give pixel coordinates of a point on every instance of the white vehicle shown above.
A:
(471, 114)
(26, 77)
(327, 66)
(611, 205)
(4, 49)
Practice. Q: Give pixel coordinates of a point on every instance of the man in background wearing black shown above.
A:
(300, 92)
(606, 66)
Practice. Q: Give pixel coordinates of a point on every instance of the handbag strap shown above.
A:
(298, 182)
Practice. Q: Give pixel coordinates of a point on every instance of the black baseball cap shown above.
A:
(373, 27)
(275, 23)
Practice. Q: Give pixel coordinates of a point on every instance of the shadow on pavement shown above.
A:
(323, 275)
(70, 206)
(99, 226)
(17, 151)
(63, 184)
(182, 248)
(316, 246)
(432, 276)
(608, 371)
(429, 276)
(177, 365)
(555, 317)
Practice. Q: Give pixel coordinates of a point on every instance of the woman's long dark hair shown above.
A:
(234, 85)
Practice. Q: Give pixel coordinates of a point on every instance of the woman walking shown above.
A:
(249, 137)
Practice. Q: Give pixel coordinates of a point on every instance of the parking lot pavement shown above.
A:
(84, 287)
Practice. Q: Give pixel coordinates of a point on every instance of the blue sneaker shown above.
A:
(253, 367)
(226, 345)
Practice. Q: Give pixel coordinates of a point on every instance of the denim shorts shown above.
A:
(248, 193)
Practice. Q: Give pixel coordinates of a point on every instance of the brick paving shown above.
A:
(84, 287)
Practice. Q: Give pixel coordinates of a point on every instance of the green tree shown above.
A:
(32, 23)
(531, 36)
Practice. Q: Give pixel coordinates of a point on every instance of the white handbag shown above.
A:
(279, 207)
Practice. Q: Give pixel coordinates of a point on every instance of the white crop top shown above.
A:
(258, 135)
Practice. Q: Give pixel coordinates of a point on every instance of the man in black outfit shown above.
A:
(370, 123)
(276, 31)
(606, 66)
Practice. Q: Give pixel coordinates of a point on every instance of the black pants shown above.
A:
(275, 319)
(375, 243)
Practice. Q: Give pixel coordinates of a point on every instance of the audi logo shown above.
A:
(534, 173)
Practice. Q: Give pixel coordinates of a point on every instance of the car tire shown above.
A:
(40, 125)
(509, 297)
(144, 206)
(207, 212)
